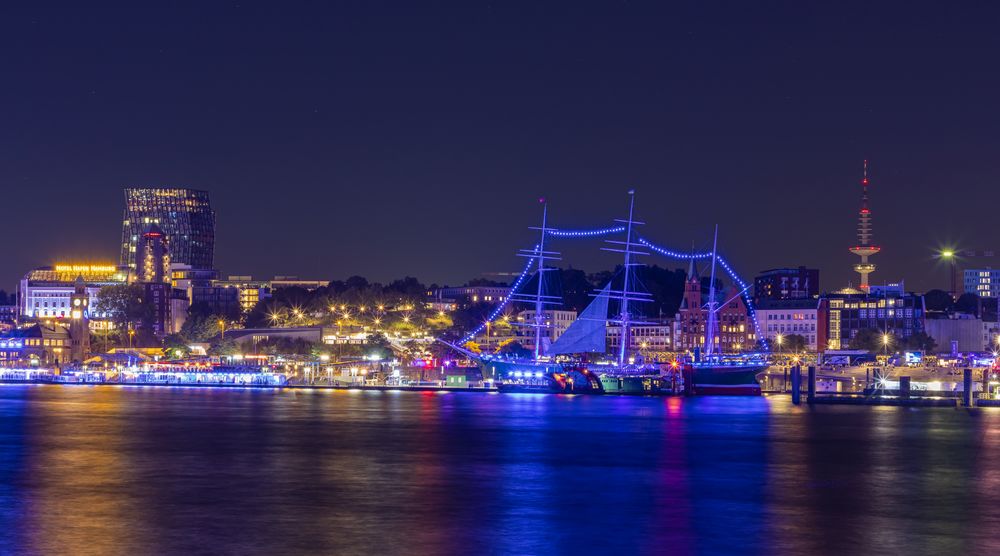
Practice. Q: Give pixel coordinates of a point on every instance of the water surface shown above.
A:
(141, 470)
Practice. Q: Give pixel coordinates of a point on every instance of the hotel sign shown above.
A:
(86, 268)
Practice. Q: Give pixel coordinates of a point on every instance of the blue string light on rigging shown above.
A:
(751, 310)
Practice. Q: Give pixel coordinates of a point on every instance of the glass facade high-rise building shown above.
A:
(184, 215)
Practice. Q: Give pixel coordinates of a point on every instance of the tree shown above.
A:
(200, 327)
(867, 339)
(359, 283)
(484, 282)
(439, 321)
(473, 347)
(514, 348)
(472, 316)
(226, 347)
(101, 339)
(176, 346)
(794, 343)
(125, 306)
(666, 287)
(379, 346)
(937, 300)
(408, 287)
(920, 341)
(967, 303)
(576, 288)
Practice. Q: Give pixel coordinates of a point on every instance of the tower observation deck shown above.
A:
(865, 248)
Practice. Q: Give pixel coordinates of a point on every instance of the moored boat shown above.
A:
(723, 379)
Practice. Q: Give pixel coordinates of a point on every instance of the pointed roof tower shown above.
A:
(692, 273)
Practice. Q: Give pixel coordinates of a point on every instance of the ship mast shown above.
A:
(539, 317)
(711, 321)
(626, 331)
(627, 293)
(540, 299)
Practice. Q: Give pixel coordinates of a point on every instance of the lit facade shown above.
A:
(735, 332)
(279, 282)
(8, 317)
(466, 295)
(556, 321)
(890, 311)
(646, 338)
(786, 317)
(184, 215)
(39, 344)
(250, 291)
(219, 299)
(786, 283)
(520, 329)
(984, 282)
(153, 256)
(158, 296)
(45, 292)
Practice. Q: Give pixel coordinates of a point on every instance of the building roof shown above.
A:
(692, 273)
(40, 330)
(768, 304)
(67, 274)
(786, 270)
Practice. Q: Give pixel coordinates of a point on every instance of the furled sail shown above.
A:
(588, 333)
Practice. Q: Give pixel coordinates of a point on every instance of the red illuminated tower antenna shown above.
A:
(864, 248)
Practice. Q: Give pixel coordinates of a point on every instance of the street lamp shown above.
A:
(222, 327)
(949, 255)
(885, 343)
(779, 338)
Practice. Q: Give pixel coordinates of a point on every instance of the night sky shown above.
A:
(384, 139)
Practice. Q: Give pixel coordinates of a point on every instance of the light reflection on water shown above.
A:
(147, 470)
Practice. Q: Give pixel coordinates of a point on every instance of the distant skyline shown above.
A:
(386, 140)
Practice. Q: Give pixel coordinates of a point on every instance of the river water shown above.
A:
(141, 470)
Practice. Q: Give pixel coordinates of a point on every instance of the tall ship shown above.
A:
(574, 362)
(541, 372)
(578, 360)
(709, 372)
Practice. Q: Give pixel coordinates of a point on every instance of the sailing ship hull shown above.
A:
(724, 380)
(548, 387)
(502, 370)
(635, 385)
(536, 377)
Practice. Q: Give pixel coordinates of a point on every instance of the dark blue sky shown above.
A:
(384, 139)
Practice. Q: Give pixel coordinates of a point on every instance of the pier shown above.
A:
(879, 390)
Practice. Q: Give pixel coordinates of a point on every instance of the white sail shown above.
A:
(588, 333)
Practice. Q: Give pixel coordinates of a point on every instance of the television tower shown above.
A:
(864, 248)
